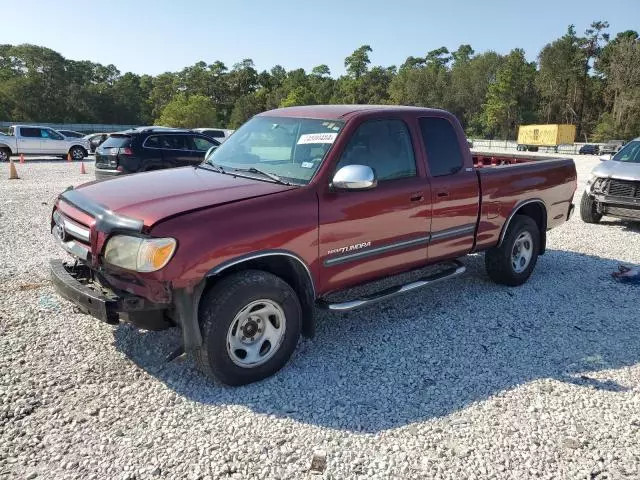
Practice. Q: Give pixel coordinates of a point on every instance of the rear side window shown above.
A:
(441, 143)
(117, 141)
(174, 142)
(152, 142)
(30, 132)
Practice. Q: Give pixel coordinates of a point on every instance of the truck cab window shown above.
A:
(442, 146)
(30, 132)
(383, 145)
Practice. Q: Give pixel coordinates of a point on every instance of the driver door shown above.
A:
(365, 234)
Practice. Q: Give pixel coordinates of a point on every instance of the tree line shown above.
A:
(590, 80)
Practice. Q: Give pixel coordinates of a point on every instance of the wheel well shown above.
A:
(6, 147)
(538, 213)
(288, 269)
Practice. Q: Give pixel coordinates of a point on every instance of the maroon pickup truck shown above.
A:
(298, 205)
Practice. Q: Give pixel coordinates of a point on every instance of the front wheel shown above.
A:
(513, 262)
(251, 323)
(589, 209)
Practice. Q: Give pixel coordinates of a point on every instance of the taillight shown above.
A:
(125, 151)
(120, 168)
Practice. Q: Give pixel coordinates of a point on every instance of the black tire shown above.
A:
(588, 209)
(5, 154)
(499, 260)
(77, 153)
(218, 309)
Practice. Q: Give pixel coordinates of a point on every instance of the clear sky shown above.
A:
(151, 37)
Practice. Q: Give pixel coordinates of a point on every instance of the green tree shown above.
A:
(592, 44)
(246, 107)
(623, 83)
(188, 112)
(358, 62)
(510, 100)
(558, 80)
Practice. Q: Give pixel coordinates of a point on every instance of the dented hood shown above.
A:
(618, 170)
(153, 196)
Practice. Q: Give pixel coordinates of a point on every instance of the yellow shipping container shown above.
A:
(546, 135)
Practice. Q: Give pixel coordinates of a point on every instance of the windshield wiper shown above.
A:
(272, 176)
(214, 167)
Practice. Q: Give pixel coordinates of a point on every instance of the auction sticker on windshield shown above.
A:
(317, 138)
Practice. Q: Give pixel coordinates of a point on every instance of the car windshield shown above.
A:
(630, 153)
(290, 148)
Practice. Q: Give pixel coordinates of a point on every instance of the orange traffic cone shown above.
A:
(68, 157)
(22, 158)
(13, 173)
(82, 170)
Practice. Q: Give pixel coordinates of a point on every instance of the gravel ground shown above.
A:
(464, 380)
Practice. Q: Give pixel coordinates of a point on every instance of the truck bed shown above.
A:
(489, 159)
(512, 177)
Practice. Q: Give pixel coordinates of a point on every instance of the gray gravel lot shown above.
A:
(465, 380)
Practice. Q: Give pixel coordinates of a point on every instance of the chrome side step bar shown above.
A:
(457, 269)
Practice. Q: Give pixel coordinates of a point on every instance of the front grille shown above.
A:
(623, 188)
(623, 212)
(74, 236)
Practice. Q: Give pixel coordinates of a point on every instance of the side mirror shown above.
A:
(604, 158)
(355, 177)
(209, 153)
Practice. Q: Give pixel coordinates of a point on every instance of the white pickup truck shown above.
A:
(40, 141)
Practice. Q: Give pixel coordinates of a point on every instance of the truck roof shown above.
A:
(341, 112)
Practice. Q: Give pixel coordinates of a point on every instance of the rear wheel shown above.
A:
(589, 209)
(251, 323)
(77, 153)
(513, 262)
(5, 154)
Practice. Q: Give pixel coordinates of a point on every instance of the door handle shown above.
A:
(443, 194)
(416, 197)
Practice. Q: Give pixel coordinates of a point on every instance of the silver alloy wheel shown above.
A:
(77, 154)
(256, 333)
(522, 252)
(3, 156)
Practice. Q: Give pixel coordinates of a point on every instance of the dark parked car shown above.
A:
(589, 150)
(150, 148)
(95, 140)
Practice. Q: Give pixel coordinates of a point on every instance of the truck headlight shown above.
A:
(139, 254)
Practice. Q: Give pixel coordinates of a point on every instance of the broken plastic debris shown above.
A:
(627, 274)
(318, 462)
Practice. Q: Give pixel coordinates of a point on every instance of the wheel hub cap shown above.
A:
(256, 333)
(522, 252)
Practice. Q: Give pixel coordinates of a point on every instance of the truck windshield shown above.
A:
(290, 148)
(630, 153)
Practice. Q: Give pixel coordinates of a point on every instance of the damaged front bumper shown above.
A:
(621, 207)
(77, 283)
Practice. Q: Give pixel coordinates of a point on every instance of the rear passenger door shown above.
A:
(455, 192)
(176, 150)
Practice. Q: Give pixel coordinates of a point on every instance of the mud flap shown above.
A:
(186, 302)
